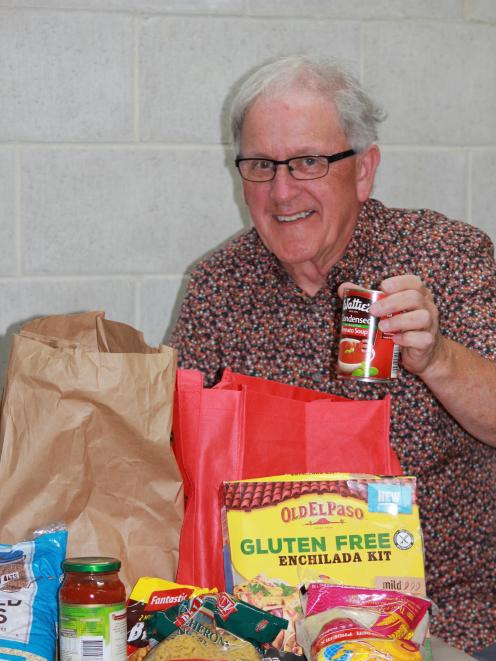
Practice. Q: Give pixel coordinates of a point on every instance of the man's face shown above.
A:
(301, 221)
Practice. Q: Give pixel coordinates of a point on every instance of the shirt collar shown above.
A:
(350, 265)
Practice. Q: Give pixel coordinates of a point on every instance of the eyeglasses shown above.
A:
(300, 167)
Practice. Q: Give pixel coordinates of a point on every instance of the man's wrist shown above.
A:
(440, 367)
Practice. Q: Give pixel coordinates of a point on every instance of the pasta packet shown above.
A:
(30, 574)
(220, 646)
(222, 611)
(148, 596)
(399, 615)
(201, 631)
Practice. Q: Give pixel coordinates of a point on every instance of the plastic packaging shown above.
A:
(30, 573)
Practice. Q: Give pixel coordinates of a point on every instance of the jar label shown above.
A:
(93, 633)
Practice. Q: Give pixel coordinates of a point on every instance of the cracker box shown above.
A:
(351, 529)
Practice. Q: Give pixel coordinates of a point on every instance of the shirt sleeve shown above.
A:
(195, 335)
(466, 293)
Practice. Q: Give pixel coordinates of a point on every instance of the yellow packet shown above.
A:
(283, 531)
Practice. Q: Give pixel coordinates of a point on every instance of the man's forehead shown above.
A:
(300, 122)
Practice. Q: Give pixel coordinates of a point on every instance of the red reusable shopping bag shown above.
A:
(247, 427)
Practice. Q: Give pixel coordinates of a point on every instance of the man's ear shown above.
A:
(367, 162)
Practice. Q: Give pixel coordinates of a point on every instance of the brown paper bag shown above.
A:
(85, 427)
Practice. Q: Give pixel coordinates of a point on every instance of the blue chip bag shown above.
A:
(30, 576)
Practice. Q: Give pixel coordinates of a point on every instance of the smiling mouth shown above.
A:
(294, 217)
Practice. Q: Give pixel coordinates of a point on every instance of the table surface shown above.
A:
(443, 652)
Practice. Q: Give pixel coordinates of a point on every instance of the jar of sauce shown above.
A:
(92, 611)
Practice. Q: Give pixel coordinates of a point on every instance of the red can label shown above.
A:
(365, 352)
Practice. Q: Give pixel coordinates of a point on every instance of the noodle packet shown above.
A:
(347, 633)
(399, 615)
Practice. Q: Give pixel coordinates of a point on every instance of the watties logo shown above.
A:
(357, 304)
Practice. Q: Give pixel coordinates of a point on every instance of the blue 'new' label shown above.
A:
(390, 498)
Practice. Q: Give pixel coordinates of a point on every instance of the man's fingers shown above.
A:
(417, 320)
(346, 285)
(400, 282)
(414, 340)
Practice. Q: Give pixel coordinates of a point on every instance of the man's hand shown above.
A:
(461, 379)
(415, 324)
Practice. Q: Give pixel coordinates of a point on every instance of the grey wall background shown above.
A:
(114, 175)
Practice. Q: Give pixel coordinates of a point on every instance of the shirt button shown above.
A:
(317, 377)
(314, 308)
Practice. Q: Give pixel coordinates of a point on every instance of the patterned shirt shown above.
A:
(243, 311)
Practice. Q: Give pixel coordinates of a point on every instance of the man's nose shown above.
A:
(284, 186)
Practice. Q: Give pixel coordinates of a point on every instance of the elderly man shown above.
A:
(268, 304)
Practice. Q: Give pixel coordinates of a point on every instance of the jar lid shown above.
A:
(91, 564)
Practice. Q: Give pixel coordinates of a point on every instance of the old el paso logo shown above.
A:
(357, 304)
(322, 510)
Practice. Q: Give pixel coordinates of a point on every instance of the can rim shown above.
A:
(362, 290)
(95, 564)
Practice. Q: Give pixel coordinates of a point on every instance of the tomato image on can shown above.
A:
(365, 352)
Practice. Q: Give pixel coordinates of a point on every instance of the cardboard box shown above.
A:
(352, 529)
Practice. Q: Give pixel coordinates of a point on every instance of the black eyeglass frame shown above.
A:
(330, 159)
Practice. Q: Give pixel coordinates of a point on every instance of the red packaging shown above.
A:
(399, 614)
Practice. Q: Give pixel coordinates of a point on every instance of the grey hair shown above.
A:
(358, 114)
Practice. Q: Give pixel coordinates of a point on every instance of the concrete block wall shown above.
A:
(114, 173)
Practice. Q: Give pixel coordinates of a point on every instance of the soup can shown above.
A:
(365, 352)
